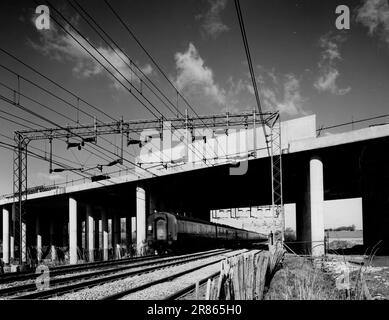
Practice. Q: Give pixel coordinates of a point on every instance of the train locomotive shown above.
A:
(167, 233)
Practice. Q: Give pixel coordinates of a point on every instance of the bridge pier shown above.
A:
(310, 210)
(317, 206)
(72, 230)
(104, 229)
(128, 234)
(116, 234)
(53, 243)
(6, 237)
(89, 226)
(140, 220)
(38, 238)
(97, 236)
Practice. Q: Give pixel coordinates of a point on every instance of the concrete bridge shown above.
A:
(335, 166)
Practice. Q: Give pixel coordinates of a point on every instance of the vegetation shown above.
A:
(299, 279)
(344, 228)
(290, 235)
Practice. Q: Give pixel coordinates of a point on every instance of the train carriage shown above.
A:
(167, 233)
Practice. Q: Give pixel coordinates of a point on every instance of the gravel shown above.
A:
(99, 292)
(83, 272)
(164, 290)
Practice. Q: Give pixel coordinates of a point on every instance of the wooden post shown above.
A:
(207, 293)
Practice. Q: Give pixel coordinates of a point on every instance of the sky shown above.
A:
(337, 213)
(303, 64)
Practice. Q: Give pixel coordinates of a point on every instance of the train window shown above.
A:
(161, 229)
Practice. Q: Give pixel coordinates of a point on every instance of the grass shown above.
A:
(299, 280)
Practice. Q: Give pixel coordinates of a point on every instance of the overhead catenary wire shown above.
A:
(55, 83)
(163, 73)
(38, 149)
(252, 73)
(50, 80)
(23, 125)
(44, 106)
(353, 122)
(20, 106)
(149, 55)
(84, 12)
(105, 67)
(50, 93)
(83, 174)
(54, 96)
(12, 147)
(80, 10)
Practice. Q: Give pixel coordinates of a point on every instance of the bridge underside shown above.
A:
(358, 169)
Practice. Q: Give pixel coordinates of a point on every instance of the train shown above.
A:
(171, 233)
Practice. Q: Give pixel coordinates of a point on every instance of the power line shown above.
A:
(90, 44)
(152, 60)
(40, 157)
(10, 120)
(353, 122)
(56, 125)
(46, 107)
(249, 61)
(148, 54)
(49, 107)
(58, 85)
(121, 58)
(42, 105)
(38, 149)
(100, 54)
(55, 83)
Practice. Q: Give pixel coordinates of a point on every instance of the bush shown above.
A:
(290, 235)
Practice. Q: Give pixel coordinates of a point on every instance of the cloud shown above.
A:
(280, 92)
(328, 72)
(60, 46)
(374, 14)
(212, 23)
(195, 78)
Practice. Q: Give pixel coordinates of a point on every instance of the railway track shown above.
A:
(171, 277)
(63, 285)
(190, 290)
(68, 269)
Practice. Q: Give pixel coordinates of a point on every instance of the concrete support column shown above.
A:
(12, 236)
(310, 209)
(53, 250)
(116, 235)
(38, 239)
(90, 223)
(12, 247)
(96, 236)
(140, 220)
(72, 230)
(6, 236)
(128, 233)
(104, 225)
(317, 205)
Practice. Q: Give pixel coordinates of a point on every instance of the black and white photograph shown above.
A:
(192, 156)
